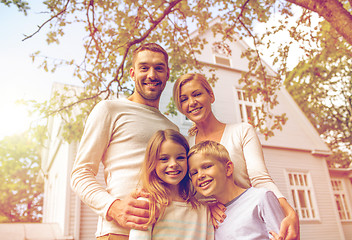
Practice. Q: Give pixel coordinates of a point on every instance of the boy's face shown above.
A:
(208, 175)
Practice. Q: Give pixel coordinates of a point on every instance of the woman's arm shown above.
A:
(217, 211)
(289, 228)
(254, 159)
(259, 177)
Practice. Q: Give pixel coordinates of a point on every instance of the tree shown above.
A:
(21, 195)
(322, 86)
(336, 12)
(115, 28)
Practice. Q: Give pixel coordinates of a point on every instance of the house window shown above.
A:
(341, 199)
(303, 195)
(222, 53)
(248, 106)
(222, 61)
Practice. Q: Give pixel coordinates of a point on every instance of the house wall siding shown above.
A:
(343, 176)
(347, 229)
(278, 161)
(89, 219)
(89, 222)
(56, 180)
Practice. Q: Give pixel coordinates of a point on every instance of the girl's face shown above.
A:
(171, 166)
(195, 101)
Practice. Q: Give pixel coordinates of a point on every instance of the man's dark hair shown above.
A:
(151, 47)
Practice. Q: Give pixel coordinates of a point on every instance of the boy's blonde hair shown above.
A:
(151, 183)
(212, 150)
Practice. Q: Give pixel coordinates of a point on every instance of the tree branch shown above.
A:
(141, 39)
(333, 12)
(237, 19)
(47, 21)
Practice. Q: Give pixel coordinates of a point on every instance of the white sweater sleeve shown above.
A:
(93, 144)
(254, 158)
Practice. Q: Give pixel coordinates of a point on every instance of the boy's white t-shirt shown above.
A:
(251, 215)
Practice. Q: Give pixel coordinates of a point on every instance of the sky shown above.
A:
(20, 77)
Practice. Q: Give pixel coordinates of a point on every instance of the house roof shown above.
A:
(342, 171)
(31, 231)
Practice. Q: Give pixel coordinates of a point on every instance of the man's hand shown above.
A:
(131, 213)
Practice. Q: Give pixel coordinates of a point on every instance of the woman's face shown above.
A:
(195, 101)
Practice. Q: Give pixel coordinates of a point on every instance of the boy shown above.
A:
(250, 213)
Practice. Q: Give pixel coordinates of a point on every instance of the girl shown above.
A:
(165, 177)
(193, 96)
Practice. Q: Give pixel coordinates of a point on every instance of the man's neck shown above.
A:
(134, 98)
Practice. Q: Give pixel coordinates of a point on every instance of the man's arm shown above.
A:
(95, 140)
(94, 143)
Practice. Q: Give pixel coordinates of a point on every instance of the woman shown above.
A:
(193, 96)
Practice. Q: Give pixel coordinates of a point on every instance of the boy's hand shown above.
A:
(217, 213)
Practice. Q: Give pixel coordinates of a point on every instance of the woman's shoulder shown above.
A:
(239, 127)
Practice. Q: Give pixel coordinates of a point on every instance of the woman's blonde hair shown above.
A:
(160, 194)
(177, 91)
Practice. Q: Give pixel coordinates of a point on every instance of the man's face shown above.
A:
(150, 74)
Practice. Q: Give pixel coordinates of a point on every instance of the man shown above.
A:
(116, 134)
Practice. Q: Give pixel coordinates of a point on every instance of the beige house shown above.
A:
(295, 158)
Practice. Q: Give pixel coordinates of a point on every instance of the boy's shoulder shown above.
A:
(257, 194)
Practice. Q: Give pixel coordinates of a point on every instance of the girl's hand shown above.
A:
(217, 213)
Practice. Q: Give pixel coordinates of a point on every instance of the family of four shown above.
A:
(161, 186)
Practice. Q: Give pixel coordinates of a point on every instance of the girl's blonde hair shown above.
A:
(177, 91)
(160, 194)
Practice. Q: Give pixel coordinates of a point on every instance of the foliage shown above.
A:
(115, 28)
(21, 195)
(322, 86)
(21, 5)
